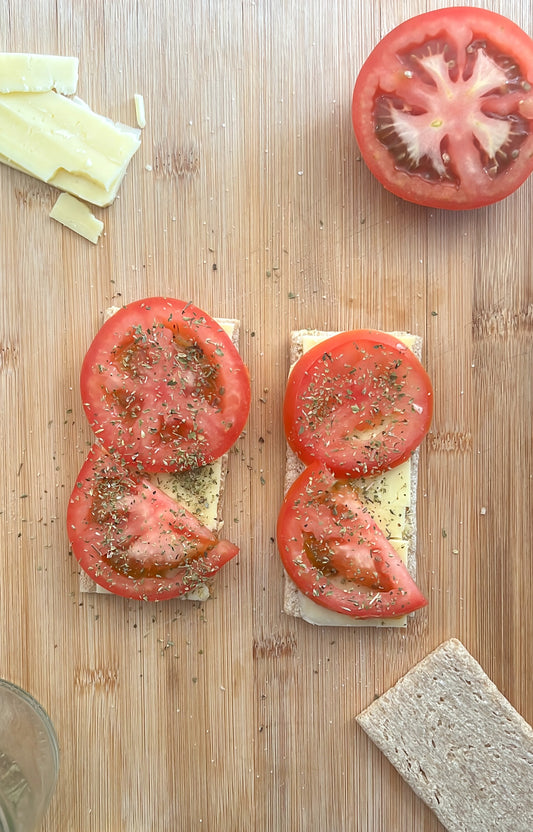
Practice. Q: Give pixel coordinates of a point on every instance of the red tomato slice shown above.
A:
(359, 402)
(134, 540)
(443, 108)
(163, 385)
(337, 555)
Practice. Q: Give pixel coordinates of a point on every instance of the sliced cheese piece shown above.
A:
(86, 189)
(77, 216)
(62, 141)
(78, 185)
(199, 490)
(25, 72)
(140, 111)
(390, 498)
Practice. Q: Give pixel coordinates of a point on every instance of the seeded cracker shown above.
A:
(458, 742)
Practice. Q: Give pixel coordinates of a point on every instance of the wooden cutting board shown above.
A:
(249, 197)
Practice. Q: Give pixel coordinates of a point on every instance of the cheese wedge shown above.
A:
(77, 216)
(390, 498)
(200, 491)
(25, 72)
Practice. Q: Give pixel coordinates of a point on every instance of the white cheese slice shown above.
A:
(389, 497)
(63, 142)
(86, 189)
(25, 72)
(77, 216)
(199, 491)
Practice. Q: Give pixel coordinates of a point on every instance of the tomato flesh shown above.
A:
(337, 555)
(163, 385)
(359, 402)
(443, 108)
(133, 539)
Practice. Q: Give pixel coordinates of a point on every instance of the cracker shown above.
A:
(295, 603)
(458, 742)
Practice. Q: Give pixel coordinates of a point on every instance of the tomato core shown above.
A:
(442, 108)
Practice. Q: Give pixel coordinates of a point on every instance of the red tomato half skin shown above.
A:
(336, 554)
(360, 402)
(442, 108)
(133, 539)
(164, 386)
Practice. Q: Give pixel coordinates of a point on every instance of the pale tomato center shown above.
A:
(451, 117)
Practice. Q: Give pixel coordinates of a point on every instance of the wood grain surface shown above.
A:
(249, 197)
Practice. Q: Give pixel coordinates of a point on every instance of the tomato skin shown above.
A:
(163, 385)
(335, 553)
(360, 402)
(466, 174)
(134, 540)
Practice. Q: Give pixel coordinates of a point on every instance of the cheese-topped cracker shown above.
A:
(199, 490)
(390, 498)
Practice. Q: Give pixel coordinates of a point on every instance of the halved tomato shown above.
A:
(359, 402)
(135, 540)
(443, 108)
(336, 554)
(163, 385)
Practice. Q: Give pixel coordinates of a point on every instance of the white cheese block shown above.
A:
(77, 216)
(61, 141)
(200, 491)
(390, 498)
(25, 72)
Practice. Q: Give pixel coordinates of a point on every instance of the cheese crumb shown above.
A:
(140, 110)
